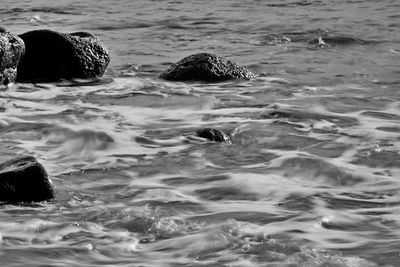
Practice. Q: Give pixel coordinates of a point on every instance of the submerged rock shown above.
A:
(52, 56)
(214, 135)
(330, 41)
(12, 49)
(318, 37)
(205, 67)
(24, 180)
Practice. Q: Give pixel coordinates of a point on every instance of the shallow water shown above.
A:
(311, 178)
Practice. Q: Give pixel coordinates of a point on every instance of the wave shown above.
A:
(64, 10)
(318, 169)
(295, 3)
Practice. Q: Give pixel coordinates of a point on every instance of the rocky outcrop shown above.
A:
(11, 50)
(52, 56)
(24, 180)
(214, 135)
(205, 67)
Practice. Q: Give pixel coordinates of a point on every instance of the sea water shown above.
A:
(311, 177)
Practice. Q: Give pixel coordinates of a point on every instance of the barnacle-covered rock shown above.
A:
(205, 67)
(12, 48)
(52, 56)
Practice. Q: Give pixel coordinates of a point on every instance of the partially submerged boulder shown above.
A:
(214, 135)
(12, 49)
(205, 67)
(52, 56)
(24, 180)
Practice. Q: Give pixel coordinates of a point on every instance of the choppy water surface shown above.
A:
(312, 176)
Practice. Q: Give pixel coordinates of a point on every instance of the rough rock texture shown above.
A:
(214, 135)
(205, 67)
(24, 180)
(12, 49)
(52, 56)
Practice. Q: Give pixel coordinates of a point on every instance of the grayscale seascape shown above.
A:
(312, 177)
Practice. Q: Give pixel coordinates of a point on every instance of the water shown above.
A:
(311, 178)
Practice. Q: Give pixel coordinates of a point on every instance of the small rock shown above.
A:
(214, 135)
(24, 180)
(12, 48)
(205, 67)
(51, 56)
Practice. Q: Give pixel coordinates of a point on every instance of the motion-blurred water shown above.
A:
(312, 176)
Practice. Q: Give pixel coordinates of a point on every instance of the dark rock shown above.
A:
(205, 67)
(52, 56)
(24, 180)
(214, 135)
(12, 49)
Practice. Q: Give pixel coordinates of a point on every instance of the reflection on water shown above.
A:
(310, 178)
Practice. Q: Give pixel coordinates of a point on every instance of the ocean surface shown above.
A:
(312, 177)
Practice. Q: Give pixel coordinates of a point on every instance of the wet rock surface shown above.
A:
(205, 67)
(52, 56)
(12, 49)
(24, 179)
(214, 135)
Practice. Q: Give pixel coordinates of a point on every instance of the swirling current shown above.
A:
(311, 177)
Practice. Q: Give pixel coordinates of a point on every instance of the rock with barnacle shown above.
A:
(12, 48)
(214, 135)
(205, 67)
(23, 179)
(52, 56)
